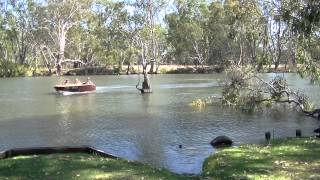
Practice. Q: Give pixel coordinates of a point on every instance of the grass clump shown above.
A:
(78, 166)
(281, 159)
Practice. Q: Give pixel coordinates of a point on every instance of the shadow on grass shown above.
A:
(80, 166)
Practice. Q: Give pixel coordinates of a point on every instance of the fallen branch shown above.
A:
(247, 91)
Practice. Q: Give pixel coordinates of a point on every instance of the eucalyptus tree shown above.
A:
(142, 25)
(119, 34)
(278, 36)
(57, 18)
(103, 39)
(187, 32)
(15, 36)
(145, 26)
(306, 25)
(152, 11)
(15, 30)
(246, 21)
(218, 29)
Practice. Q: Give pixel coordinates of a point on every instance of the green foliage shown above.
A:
(308, 67)
(222, 33)
(307, 17)
(10, 69)
(202, 103)
(238, 78)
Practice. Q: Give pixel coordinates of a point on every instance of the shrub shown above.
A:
(10, 69)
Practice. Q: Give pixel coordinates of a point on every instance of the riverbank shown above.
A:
(167, 69)
(281, 159)
(163, 69)
(20, 70)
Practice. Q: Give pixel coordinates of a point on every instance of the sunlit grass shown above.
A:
(79, 166)
(281, 159)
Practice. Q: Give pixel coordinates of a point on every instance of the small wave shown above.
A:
(198, 79)
(182, 94)
(66, 93)
(101, 89)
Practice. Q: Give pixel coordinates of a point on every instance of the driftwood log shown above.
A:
(53, 150)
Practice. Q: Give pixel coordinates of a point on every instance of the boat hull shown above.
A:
(75, 88)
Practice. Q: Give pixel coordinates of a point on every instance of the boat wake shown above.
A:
(99, 89)
(102, 89)
(189, 85)
(116, 88)
(67, 93)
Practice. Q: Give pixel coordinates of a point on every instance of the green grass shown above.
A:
(282, 159)
(78, 166)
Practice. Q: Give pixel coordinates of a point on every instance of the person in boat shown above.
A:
(77, 82)
(66, 82)
(88, 81)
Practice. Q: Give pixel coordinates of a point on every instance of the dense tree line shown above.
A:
(56, 34)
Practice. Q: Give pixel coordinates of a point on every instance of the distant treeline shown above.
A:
(56, 35)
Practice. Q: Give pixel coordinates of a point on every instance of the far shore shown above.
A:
(162, 69)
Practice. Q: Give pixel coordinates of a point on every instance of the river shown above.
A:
(147, 128)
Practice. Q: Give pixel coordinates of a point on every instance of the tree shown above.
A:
(57, 18)
(187, 32)
(305, 21)
(146, 12)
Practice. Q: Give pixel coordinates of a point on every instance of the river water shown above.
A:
(147, 128)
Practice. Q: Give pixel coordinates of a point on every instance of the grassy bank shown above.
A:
(282, 159)
(78, 166)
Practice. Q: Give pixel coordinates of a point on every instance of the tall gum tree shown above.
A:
(187, 27)
(60, 16)
(146, 13)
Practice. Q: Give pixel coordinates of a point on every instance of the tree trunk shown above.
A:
(47, 63)
(241, 54)
(292, 49)
(146, 86)
(265, 41)
(151, 67)
(128, 69)
(146, 83)
(277, 63)
(62, 44)
(254, 52)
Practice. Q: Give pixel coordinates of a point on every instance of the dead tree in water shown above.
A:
(146, 85)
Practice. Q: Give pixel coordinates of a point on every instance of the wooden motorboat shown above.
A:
(76, 87)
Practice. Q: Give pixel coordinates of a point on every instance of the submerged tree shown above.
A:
(245, 90)
(146, 12)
